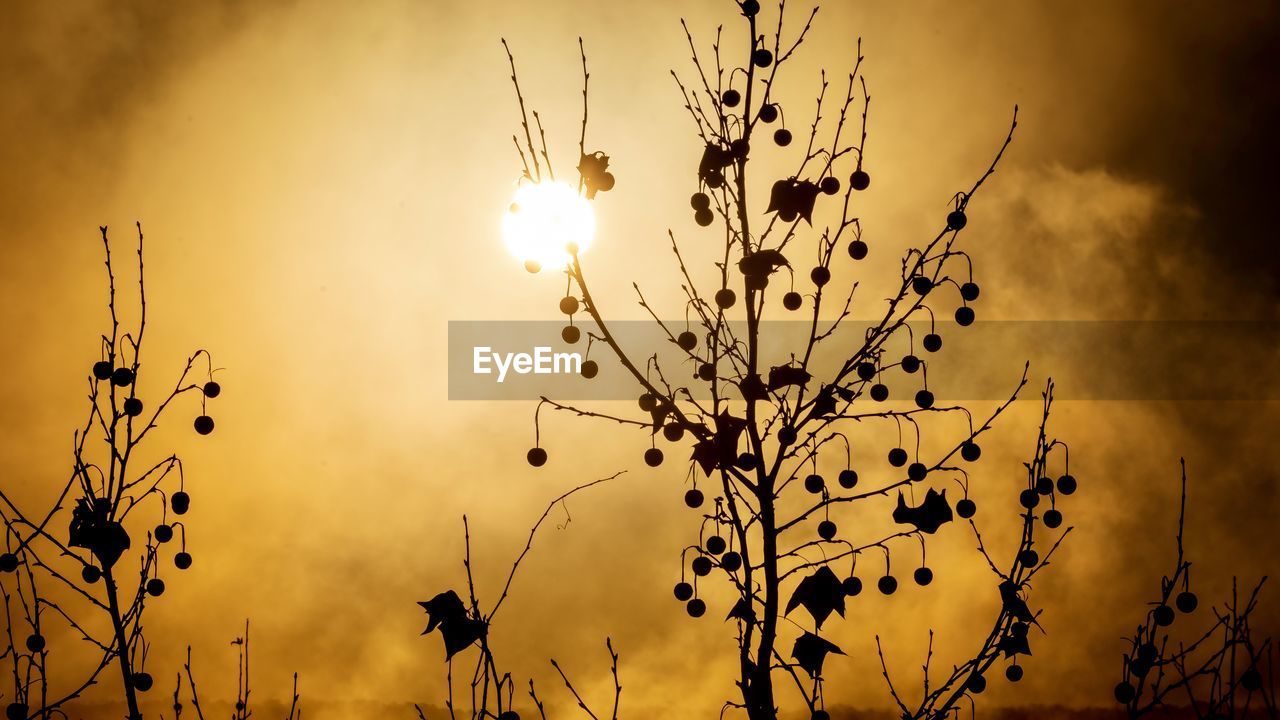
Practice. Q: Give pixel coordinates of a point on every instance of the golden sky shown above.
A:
(321, 185)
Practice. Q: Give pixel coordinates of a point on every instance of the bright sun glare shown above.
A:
(548, 221)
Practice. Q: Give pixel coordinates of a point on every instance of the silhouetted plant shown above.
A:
(758, 433)
(465, 624)
(240, 710)
(1221, 672)
(78, 544)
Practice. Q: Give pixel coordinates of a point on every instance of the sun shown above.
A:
(546, 223)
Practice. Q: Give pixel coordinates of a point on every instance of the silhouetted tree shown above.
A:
(240, 710)
(758, 434)
(464, 624)
(1221, 671)
(68, 563)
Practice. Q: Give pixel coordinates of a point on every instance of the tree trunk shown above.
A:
(122, 646)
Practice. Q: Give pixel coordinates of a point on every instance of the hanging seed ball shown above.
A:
(1029, 499)
(746, 461)
(792, 300)
(568, 304)
(956, 220)
(716, 545)
(814, 484)
(90, 574)
(857, 249)
(725, 298)
(966, 508)
(102, 370)
(1186, 601)
(1044, 486)
(820, 715)
(155, 587)
(204, 424)
(537, 456)
(976, 684)
(731, 561)
(859, 180)
(731, 98)
(827, 530)
(707, 372)
(509, 715)
(1067, 484)
(1013, 673)
(879, 392)
(750, 7)
(787, 214)
(1029, 558)
(693, 498)
(653, 457)
(16, 711)
(916, 471)
(122, 377)
(829, 185)
(910, 364)
(969, 291)
(866, 370)
(932, 342)
(212, 389)
(1163, 615)
(182, 560)
(683, 591)
(570, 334)
(35, 642)
(696, 608)
(924, 399)
(820, 276)
(964, 316)
(888, 585)
(704, 217)
(8, 562)
(762, 58)
(897, 457)
(132, 407)
(715, 179)
(1125, 693)
(1052, 519)
(701, 566)
(687, 340)
(164, 533)
(1251, 679)
(921, 285)
(848, 479)
(673, 431)
(590, 369)
(787, 436)
(768, 112)
(740, 147)
(970, 451)
(852, 586)
(142, 681)
(923, 576)
(1019, 629)
(782, 137)
(700, 201)
(180, 502)
(648, 402)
